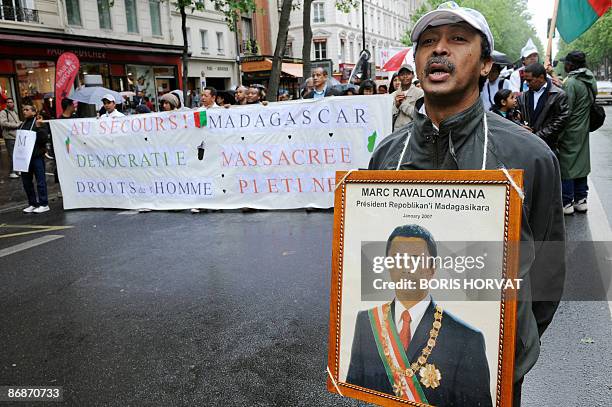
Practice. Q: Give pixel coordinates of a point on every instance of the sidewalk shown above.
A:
(12, 195)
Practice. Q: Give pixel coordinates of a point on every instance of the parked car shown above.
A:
(604, 92)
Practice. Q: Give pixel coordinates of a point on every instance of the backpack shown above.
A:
(597, 113)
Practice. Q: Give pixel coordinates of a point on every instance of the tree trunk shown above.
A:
(307, 39)
(185, 50)
(279, 52)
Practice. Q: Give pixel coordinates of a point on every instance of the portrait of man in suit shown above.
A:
(410, 347)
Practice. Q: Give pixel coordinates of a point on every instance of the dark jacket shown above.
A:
(329, 91)
(574, 150)
(42, 136)
(542, 256)
(459, 355)
(511, 115)
(553, 117)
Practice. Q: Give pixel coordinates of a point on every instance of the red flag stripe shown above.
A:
(600, 6)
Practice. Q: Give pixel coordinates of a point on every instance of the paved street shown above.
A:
(228, 308)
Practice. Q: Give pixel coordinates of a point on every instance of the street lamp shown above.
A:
(363, 25)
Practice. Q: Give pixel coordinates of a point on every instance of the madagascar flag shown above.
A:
(200, 119)
(576, 16)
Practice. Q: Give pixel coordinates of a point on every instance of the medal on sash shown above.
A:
(403, 375)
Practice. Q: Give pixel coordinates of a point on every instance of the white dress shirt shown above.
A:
(114, 113)
(536, 95)
(416, 314)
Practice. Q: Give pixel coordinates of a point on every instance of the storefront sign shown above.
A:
(279, 156)
(66, 70)
(81, 53)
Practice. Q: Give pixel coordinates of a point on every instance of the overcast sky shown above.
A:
(541, 11)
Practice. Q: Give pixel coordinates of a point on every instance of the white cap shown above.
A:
(109, 97)
(451, 13)
(528, 49)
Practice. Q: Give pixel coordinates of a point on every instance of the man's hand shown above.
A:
(399, 98)
(527, 127)
(39, 121)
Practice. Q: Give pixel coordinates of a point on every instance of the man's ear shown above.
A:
(486, 67)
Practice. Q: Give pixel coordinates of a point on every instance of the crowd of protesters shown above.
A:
(531, 97)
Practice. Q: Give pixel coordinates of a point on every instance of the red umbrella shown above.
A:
(396, 61)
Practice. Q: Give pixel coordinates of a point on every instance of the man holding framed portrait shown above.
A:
(451, 131)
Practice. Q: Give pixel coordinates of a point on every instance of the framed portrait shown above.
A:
(424, 284)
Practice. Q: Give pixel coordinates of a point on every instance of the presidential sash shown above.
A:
(402, 378)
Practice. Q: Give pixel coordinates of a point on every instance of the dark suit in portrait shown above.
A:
(459, 355)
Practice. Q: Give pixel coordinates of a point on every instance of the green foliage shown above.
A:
(231, 9)
(510, 23)
(347, 5)
(596, 43)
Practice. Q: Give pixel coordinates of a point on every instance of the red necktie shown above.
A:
(405, 332)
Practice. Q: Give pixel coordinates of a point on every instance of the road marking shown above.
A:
(127, 213)
(599, 227)
(28, 245)
(37, 229)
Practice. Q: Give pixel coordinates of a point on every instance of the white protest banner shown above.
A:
(24, 145)
(279, 156)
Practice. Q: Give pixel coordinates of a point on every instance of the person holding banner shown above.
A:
(34, 126)
(452, 131)
(109, 103)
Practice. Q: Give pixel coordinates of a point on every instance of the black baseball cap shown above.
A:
(575, 57)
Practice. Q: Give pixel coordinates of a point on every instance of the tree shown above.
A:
(307, 29)
(509, 21)
(279, 52)
(231, 10)
(596, 43)
(343, 5)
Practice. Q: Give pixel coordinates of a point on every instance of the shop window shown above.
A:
(73, 10)
(220, 45)
(6, 91)
(104, 15)
(204, 38)
(131, 16)
(95, 69)
(320, 48)
(318, 12)
(36, 83)
(141, 79)
(156, 27)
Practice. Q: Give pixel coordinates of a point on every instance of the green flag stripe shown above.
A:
(574, 18)
(381, 351)
(416, 383)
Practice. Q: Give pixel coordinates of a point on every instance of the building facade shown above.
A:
(129, 43)
(213, 48)
(338, 36)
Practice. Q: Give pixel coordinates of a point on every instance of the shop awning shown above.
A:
(107, 46)
(294, 70)
(287, 68)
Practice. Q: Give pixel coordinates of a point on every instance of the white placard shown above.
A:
(24, 146)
